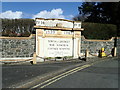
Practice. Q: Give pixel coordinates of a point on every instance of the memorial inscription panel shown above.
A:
(58, 47)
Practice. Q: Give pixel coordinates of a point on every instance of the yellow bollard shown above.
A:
(103, 54)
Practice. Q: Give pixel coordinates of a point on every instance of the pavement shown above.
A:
(25, 75)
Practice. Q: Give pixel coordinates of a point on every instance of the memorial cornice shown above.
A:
(59, 28)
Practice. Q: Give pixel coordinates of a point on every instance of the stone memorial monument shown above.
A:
(57, 38)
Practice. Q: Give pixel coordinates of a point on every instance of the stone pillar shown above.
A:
(86, 53)
(76, 43)
(34, 58)
(115, 50)
(75, 48)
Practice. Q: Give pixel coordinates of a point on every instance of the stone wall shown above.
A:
(93, 46)
(19, 47)
(16, 47)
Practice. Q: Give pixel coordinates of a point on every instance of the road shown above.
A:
(103, 73)
(18, 74)
(99, 75)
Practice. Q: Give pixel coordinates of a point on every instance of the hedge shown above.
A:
(17, 27)
(98, 30)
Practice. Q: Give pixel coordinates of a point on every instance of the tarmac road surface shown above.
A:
(102, 74)
(99, 75)
(13, 74)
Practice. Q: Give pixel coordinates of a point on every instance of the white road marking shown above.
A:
(56, 78)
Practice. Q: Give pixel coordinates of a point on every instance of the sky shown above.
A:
(64, 10)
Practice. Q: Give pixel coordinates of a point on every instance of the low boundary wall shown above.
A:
(93, 46)
(17, 47)
(24, 47)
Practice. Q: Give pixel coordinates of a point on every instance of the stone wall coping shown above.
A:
(81, 36)
(18, 37)
(95, 40)
(16, 59)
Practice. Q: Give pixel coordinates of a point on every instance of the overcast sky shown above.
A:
(65, 10)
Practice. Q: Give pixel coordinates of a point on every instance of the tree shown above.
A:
(101, 12)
